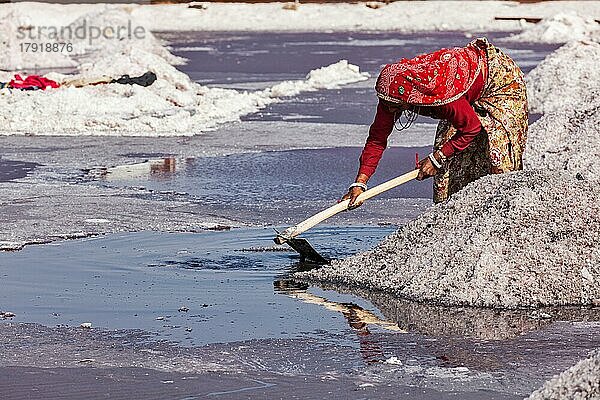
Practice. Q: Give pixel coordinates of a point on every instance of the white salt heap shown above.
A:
(567, 140)
(580, 382)
(172, 106)
(566, 86)
(329, 77)
(565, 79)
(18, 31)
(520, 239)
(560, 28)
(13, 56)
(113, 18)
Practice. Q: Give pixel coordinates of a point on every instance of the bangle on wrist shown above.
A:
(361, 185)
(441, 156)
(434, 161)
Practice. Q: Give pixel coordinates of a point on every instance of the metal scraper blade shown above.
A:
(306, 251)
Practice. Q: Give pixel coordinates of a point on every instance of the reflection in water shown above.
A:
(144, 169)
(476, 323)
(167, 165)
(357, 317)
(442, 339)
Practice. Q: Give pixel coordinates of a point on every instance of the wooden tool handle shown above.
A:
(305, 225)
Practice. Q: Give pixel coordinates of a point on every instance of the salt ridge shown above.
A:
(565, 79)
(566, 87)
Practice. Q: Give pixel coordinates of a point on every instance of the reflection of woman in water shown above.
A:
(370, 349)
(358, 318)
(479, 95)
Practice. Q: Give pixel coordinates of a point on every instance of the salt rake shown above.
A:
(303, 247)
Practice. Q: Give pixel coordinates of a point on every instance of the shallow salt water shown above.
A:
(266, 179)
(228, 281)
(11, 170)
(227, 298)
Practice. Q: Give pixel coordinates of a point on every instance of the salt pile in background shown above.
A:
(566, 86)
(18, 30)
(173, 105)
(11, 55)
(117, 17)
(568, 78)
(567, 140)
(397, 16)
(560, 28)
(400, 16)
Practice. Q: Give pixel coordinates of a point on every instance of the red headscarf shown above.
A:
(431, 79)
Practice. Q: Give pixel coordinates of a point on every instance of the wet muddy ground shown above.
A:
(195, 313)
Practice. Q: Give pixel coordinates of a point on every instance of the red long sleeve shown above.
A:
(376, 143)
(463, 117)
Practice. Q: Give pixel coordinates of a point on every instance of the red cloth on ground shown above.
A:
(31, 82)
(459, 113)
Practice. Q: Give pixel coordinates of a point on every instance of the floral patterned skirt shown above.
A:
(502, 110)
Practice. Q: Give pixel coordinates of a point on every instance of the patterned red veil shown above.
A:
(431, 79)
